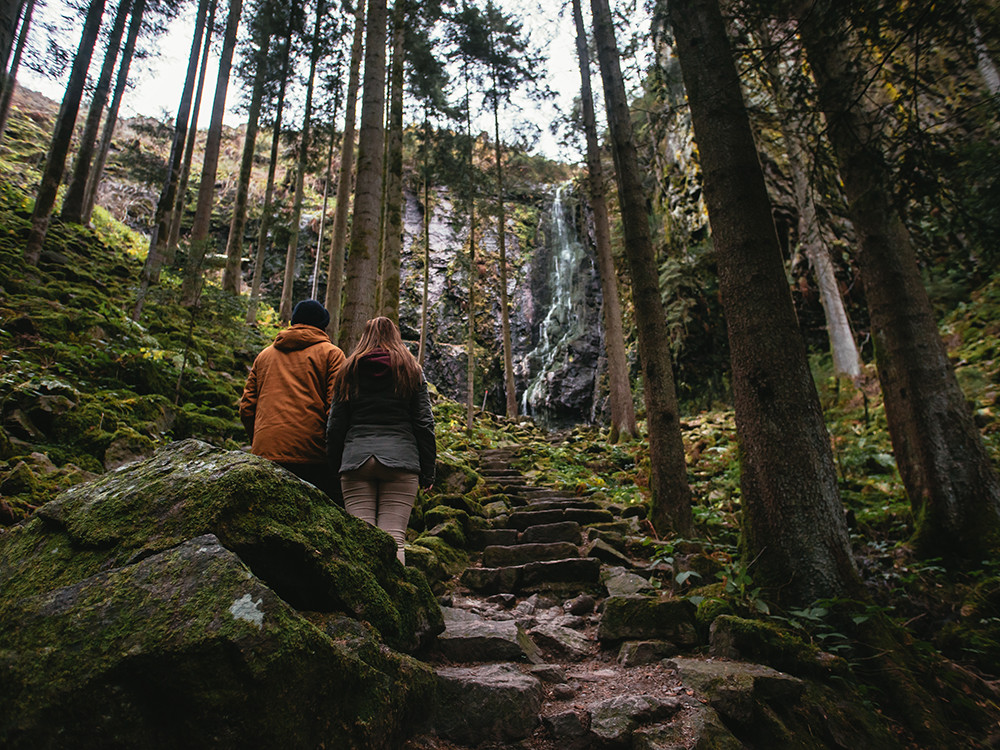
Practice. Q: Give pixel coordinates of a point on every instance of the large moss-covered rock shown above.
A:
(768, 708)
(110, 580)
(187, 648)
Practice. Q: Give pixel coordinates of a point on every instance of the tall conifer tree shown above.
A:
(788, 479)
(55, 161)
(362, 261)
(671, 495)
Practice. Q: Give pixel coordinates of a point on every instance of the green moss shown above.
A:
(454, 560)
(426, 561)
(768, 643)
(711, 604)
(310, 551)
(443, 514)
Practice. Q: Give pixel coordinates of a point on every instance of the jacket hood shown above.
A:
(300, 336)
(375, 365)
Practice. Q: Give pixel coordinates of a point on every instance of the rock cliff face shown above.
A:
(555, 310)
(564, 358)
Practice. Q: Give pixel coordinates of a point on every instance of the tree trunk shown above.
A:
(154, 258)
(180, 199)
(265, 214)
(953, 489)
(111, 121)
(470, 371)
(285, 310)
(793, 521)
(362, 261)
(422, 346)
(335, 274)
(671, 496)
(508, 356)
(73, 200)
(10, 11)
(10, 74)
(393, 242)
(328, 175)
(232, 275)
(984, 59)
(620, 392)
(55, 162)
(200, 239)
(843, 347)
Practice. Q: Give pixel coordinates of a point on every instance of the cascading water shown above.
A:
(560, 369)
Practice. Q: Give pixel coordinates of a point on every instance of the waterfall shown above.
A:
(566, 321)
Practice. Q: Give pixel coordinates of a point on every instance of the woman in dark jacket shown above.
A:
(380, 435)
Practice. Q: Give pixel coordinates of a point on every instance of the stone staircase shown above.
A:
(553, 641)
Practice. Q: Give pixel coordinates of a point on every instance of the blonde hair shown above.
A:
(380, 333)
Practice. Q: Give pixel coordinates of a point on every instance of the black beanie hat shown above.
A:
(312, 313)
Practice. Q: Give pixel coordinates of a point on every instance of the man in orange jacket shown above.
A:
(287, 398)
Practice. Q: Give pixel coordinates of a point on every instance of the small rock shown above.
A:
(504, 600)
(637, 653)
(699, 728)
(542, 602)
(20, 481)
(606, 553)
(561, 642)
(568, 724)
(564, 692)
(613, 720)
(580, 605)
(620, 582)
(571, 621)
(468, 637)
(548, 673)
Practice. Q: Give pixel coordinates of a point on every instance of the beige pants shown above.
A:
(383, 497)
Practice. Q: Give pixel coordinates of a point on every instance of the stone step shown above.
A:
(498, 556)
(562, 502)
(576, 575)
(485, 703)
(470, 638)
(522, 519)
(561, 531)
(485, 537)
(500, 473)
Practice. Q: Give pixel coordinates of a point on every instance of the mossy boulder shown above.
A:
(648, 618)
(453, 560)
(427, 562)
(766, 642)
(764, 707)
(168, 596)
(20, 480)
(187, 648)
(454, 525)
(453, 477)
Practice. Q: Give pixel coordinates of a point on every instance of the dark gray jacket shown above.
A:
(398, 432)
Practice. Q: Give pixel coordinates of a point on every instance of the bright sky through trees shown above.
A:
(158, 80)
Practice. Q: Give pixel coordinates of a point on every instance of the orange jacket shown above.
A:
(288, 394)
